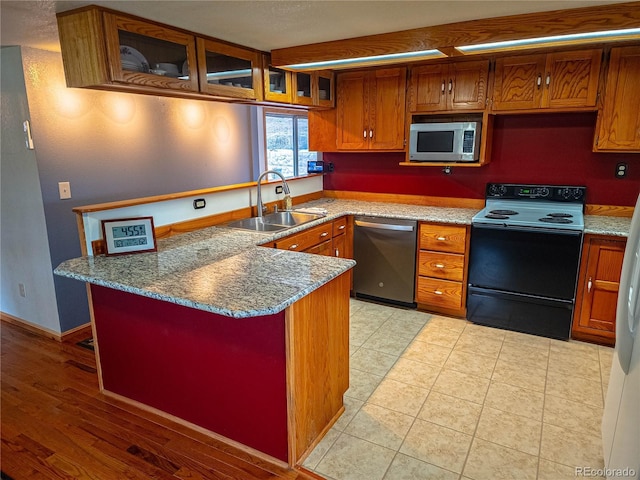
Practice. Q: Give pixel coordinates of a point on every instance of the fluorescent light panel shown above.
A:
(349, 62)
(610, 35)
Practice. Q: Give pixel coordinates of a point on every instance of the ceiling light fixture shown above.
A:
(373, 60)
(572, 39)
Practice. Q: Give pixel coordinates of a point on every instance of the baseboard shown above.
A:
(45, 332)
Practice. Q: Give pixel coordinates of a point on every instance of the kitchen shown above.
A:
(382, 174)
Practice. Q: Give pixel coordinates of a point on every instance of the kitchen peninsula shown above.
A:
(247, 342)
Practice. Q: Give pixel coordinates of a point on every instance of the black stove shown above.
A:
(524, 256)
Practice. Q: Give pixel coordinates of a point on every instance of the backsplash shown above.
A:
(540, 148)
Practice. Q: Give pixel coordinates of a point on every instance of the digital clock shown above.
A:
(129, 235)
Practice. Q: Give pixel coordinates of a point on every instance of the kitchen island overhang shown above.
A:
(251, 346)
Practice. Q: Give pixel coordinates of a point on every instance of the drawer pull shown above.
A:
(439, 265)
(293, 247)
(441, 239)
(324, 234)
(437, 292)
(589, 285)
(341, 227)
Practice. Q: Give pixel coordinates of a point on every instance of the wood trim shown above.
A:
(423, 200)
(31, 327)
(558, 22)
(173, 196)
(608, 210)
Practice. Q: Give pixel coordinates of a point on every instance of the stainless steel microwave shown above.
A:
(444, 142)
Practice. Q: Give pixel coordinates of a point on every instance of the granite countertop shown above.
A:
(603, 225)
(224, 270)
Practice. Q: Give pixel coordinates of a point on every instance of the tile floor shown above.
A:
(433, 397)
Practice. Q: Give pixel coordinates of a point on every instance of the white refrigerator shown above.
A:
(621, 418)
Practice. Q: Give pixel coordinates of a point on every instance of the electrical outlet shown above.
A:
(23, 292)
(64, 188)
(621, 170)
(279, 189)
(199, 203)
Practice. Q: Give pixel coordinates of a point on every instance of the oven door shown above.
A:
(528, 261)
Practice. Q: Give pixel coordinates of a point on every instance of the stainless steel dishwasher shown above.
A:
(385, 253)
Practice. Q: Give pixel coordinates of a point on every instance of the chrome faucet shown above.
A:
(285, 188)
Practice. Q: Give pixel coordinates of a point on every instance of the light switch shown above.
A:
(65, 190)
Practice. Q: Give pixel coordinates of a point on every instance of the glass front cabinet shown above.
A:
(229, 71)
(150, 55)
(313, 89)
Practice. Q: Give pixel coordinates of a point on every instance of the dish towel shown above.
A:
(314, 210)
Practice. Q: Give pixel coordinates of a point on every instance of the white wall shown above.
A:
(24, 247)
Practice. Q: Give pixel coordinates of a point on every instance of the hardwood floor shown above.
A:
(57, 425)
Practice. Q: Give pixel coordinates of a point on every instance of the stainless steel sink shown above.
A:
(290, 219)
(274, 222)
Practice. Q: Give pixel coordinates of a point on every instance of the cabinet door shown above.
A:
(324, 248)
(277, 82)
(619, 119)
(147, 54)
(352, 111)
(518, 82)
(428, 88)
(339, 246)
(467, 87)
(303, 88)
(229, 71)
(571, 79)
(598, 289)
(386, 109)
(325, 87)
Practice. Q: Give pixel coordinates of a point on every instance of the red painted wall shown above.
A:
(225, 374)
(541, 148)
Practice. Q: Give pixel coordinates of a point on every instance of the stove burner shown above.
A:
(555, 220)
(503, 212)
(496, 216)
(559, 215)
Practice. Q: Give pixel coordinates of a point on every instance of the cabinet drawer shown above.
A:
(306, 239)
(443, 238)
(449, 266)
(339, 226)
(442, 293)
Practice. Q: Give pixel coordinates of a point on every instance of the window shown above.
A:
(287, 142)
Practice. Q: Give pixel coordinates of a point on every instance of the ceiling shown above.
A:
(271, 24)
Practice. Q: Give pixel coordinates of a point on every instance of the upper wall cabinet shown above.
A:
(619, 119)
(371, 109)
(449, 87)
(103, 48)
(562, 80)
(313, 89)
(228, 70)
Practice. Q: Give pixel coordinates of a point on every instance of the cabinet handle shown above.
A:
(337, 252)
(370, 133)
(341, 227)
(437, 292)
(441, 239)
(539, 81)
(442, 87)
(364, 134)
(293, 247)
(450, 86)
(324, 234)
(589, 285)
(439, 265)
(548, 80)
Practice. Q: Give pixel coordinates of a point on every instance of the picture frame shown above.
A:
(129, 235)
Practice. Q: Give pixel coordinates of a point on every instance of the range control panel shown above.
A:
(555, 193)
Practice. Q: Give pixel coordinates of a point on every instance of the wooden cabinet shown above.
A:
(371, 109)
(102, 48)
(442, 268)
(228, 70)
(449, 87)
(105, 48)
(561, 81)
(313, 88)
(618, 126)
(334, 239)
(594, 318)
